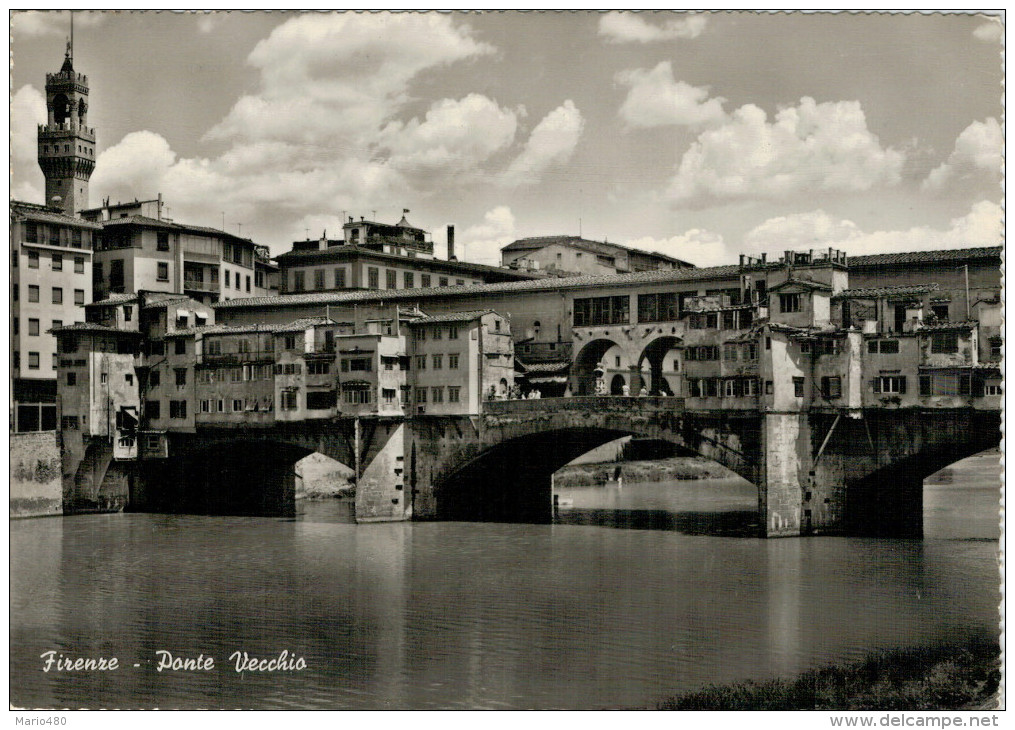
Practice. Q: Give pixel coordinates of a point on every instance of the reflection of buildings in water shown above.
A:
(783, 573)
(36, 558)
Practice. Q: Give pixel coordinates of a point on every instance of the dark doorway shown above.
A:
(900, 317)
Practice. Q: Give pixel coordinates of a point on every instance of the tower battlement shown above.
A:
(66, 144)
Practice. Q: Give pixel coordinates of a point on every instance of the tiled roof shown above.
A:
(661, 276)
(239, 329)
(801, 282)
(152, 299)
(452, 317)
(603, 247)
(215, 329)
(144, 220)
(920, 257)
(114, 299)
(41, 213)
(141, 220)
(544, 367)
(303, 323)
(164, 300)
(345, 251)
(92, 327)
(886, 291)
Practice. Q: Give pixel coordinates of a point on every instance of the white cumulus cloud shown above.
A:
(338, 78)
(27, 193)
(28, 110)
(325, 130)
(135, 166)
(977, 150)
(628, 27)
(982, 226)
(810, 146)
(655, 98)
(815, 229)
(697, 246)
(455, 136)
(36, 23)
(209, 21)
(989, 32)
(482, 242)
(553, 141)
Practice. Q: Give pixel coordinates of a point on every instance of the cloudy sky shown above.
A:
(701, 136)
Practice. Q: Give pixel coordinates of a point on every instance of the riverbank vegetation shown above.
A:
(657, 470)
(963, 676)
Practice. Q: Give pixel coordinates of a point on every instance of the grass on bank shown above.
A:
(927, 678)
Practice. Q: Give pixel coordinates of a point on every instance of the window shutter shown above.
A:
(902, 384)
(876, 385)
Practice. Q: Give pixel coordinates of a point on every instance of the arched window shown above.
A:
(61, 109)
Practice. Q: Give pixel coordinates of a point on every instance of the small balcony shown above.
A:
(200, 285)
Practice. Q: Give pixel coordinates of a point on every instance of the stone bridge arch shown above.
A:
(93, 480)
(498, 466)
(252, 471)
(817, 473)
(873, 468)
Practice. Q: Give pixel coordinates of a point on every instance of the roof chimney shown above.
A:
(451, 244)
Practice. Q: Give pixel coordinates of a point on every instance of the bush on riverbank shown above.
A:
(926, 678)
(661, 470)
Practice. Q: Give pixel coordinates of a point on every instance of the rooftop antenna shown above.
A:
(70, 43)
(223, 220)
(375, 214)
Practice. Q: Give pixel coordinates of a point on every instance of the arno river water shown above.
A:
(456, 615)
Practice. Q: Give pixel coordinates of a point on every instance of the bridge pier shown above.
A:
(380, 468)
(785, 453)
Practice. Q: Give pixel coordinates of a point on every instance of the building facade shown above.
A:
(695, 332)
(574, 255)
(459, 360)
(140, 249)
(51, 280)
(379, 256)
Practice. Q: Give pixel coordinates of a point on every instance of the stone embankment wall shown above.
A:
(36, 486)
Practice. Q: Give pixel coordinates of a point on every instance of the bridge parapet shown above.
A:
(606, 403)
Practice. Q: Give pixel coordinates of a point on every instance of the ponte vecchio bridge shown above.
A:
(835, 401)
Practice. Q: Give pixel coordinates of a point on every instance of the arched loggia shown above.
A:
(585, 364)
(657, 354)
